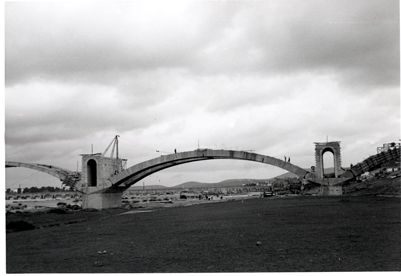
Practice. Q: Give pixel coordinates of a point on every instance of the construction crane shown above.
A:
(114, 142)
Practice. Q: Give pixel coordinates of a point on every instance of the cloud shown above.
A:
(361, 39)
(269, 76)
(215, 38)
(67, 42)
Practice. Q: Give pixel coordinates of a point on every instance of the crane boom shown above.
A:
(113, 142)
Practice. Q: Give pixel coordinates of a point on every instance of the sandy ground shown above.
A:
(140, 201)
(37, 205)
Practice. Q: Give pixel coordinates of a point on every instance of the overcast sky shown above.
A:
(268, 76)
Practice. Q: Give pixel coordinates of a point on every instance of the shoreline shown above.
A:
(139, 202)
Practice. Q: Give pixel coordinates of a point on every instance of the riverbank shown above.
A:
(132, 202)
(43, 213)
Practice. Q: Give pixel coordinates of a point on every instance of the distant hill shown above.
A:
(191, 184)
(196, 185)
(236, 182)
(221, 184)
(224, 183)
(291, 175)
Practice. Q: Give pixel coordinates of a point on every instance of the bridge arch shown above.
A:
(373, 162)
(69, 178)
(137, 172)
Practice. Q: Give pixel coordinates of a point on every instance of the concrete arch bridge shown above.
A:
(139, 171)
(103, 179)
(104, 189)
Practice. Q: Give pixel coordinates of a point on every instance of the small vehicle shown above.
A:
(268, 194)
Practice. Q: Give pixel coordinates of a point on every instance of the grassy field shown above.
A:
(289, 234)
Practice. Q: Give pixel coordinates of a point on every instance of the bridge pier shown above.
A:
(329, 185)
(320, 149)
(102, 200)
(98, 193)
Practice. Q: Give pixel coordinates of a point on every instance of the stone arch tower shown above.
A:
(320, 149)
(96, 171)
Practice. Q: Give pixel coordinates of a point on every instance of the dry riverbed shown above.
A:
(249, 234)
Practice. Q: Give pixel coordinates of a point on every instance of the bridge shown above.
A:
(104, 179)
(137, 172)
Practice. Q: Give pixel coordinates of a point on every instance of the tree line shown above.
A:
(39, 190)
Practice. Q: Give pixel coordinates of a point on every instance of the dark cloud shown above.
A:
(357, 40)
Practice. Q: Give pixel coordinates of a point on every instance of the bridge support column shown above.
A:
(102, 200)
